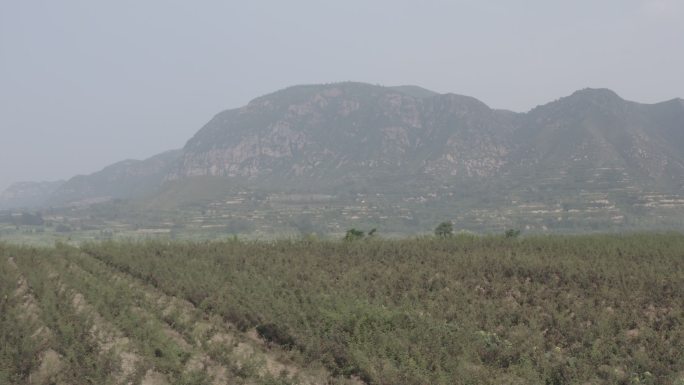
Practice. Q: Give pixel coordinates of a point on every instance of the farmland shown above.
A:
(594, 309)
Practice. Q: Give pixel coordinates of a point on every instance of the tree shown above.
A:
(353, 235)
(444, 230)
(512, 233)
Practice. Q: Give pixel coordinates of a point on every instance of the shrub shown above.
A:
(278, 335)
(353, 235)
(444, 230)
(512, 233)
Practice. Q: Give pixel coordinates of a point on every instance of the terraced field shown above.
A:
(460, 310)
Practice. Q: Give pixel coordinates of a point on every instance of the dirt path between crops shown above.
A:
(205, 334)
(50, 363)
(199, 361)
(108, 338)
(210, 332)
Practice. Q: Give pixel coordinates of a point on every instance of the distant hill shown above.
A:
(351, 129)
(415, 91)
(346, 138)
(593, 133)
(122, 180)
(28, 194)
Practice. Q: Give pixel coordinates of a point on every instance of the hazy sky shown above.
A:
(87, 83)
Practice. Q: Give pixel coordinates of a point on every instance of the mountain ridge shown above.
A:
(329, 137)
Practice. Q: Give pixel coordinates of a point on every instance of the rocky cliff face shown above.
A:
(323, 135)
(359, 129)
(351, 129)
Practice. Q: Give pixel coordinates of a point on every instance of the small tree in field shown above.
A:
(353, 235)
(444, 230)
(512, 233)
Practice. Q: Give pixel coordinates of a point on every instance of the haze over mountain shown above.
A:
(79, 92)
(322, 138)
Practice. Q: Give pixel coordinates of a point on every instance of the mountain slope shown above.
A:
(350, 129)
(126, 179)
(406, 155)
(358, 130)
(594, 131)
(28, 194)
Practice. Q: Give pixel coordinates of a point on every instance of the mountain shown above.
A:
(414, 91)
(28, 194)
(415, 152)
(350, 130)
(122, 180)
(358, 130)
(594, 141)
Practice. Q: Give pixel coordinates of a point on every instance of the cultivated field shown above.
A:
(460, 310)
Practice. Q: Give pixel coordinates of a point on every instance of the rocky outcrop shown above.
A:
(350, 129)
(317, 135)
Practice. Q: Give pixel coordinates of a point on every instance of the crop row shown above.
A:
(69, 318)
(215, 345)
(596, 309)
(44, 340)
